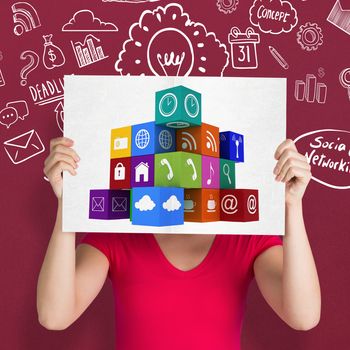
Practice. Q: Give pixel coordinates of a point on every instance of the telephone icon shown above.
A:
(190, 163)
(165, 162)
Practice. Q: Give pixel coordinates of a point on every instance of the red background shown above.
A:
(28, 205)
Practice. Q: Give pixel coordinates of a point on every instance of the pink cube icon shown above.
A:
(210, 172)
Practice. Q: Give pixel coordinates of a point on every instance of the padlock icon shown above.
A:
(119, 172)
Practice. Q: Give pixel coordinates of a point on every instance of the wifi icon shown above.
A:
(202, 139)
(25, 18)
(211, 142)
(188, 142)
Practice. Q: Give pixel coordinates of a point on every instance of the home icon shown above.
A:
(141, 169)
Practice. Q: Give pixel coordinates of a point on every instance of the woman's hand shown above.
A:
(293, 169)
(61, 157)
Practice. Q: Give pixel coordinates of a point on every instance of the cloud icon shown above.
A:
(172, 204)
(145, 203)
(85, 21)
(273, 16)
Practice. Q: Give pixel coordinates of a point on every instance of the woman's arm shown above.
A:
(287, 277)
(69, 280)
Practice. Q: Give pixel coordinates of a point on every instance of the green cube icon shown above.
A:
(178, 107)
(178, 169)
(227, 173)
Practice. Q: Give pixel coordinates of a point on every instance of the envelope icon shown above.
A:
(23, 147)
(119, 204)
(98, 204)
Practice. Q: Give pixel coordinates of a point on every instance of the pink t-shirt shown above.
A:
(158, 306)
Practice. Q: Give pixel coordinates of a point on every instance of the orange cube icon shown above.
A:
(202, 139)
(202, 205)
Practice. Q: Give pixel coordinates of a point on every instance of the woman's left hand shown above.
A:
(293, 169)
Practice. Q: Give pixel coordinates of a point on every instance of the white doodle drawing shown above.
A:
(344, 79)
(59, 115)
(130, 1)
(310, 36)
(52, 56)
(321, 72)
(149, 49)
(13, 111)
(23, 147)
(243, 48)
(85, 21)
(340, 17)
(30, 67)
(172, 204)
(310, 90)
(278, 57)
(309, 156)
(25, 18)
(48, 91)
(145, 203)
(87, 53)
(273, 16)
(2, 79)
(227, 6)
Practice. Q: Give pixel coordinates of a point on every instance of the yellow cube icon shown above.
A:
(121, 142)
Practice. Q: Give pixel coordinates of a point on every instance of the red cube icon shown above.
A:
(239, 205)
(119, 175)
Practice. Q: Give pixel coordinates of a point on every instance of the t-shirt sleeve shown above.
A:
(102, 242)
(259, 243)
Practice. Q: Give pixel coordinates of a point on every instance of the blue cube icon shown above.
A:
(232, 146)
(157, 206)
(149, 138)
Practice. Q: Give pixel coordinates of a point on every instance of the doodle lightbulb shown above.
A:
(170, 59)
(53, 56)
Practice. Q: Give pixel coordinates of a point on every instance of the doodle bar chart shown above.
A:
(87, 53)
(310, 90)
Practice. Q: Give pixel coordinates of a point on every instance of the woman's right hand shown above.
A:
(62, 157)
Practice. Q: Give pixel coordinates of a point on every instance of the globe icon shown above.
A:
(142, 139)
(165, 139)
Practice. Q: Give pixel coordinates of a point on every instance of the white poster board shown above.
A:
(254, 107)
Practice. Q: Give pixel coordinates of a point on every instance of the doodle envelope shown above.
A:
(24, 147)
(253, 107)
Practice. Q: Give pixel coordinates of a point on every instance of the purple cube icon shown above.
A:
(210, 172)
(142, 171)
(107, 204)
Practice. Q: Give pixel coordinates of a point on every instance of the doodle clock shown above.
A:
(191, 105)
(168, 105)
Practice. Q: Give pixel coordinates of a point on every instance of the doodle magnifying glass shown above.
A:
(226, 171)
(344, 79)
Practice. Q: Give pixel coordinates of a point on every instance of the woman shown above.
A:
(181, 291)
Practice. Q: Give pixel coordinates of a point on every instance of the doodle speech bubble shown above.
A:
(328, 153)
(8, 116)
(273, 16)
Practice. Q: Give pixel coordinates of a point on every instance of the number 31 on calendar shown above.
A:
(243, 48)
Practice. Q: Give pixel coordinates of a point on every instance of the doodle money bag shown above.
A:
(53, 55)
